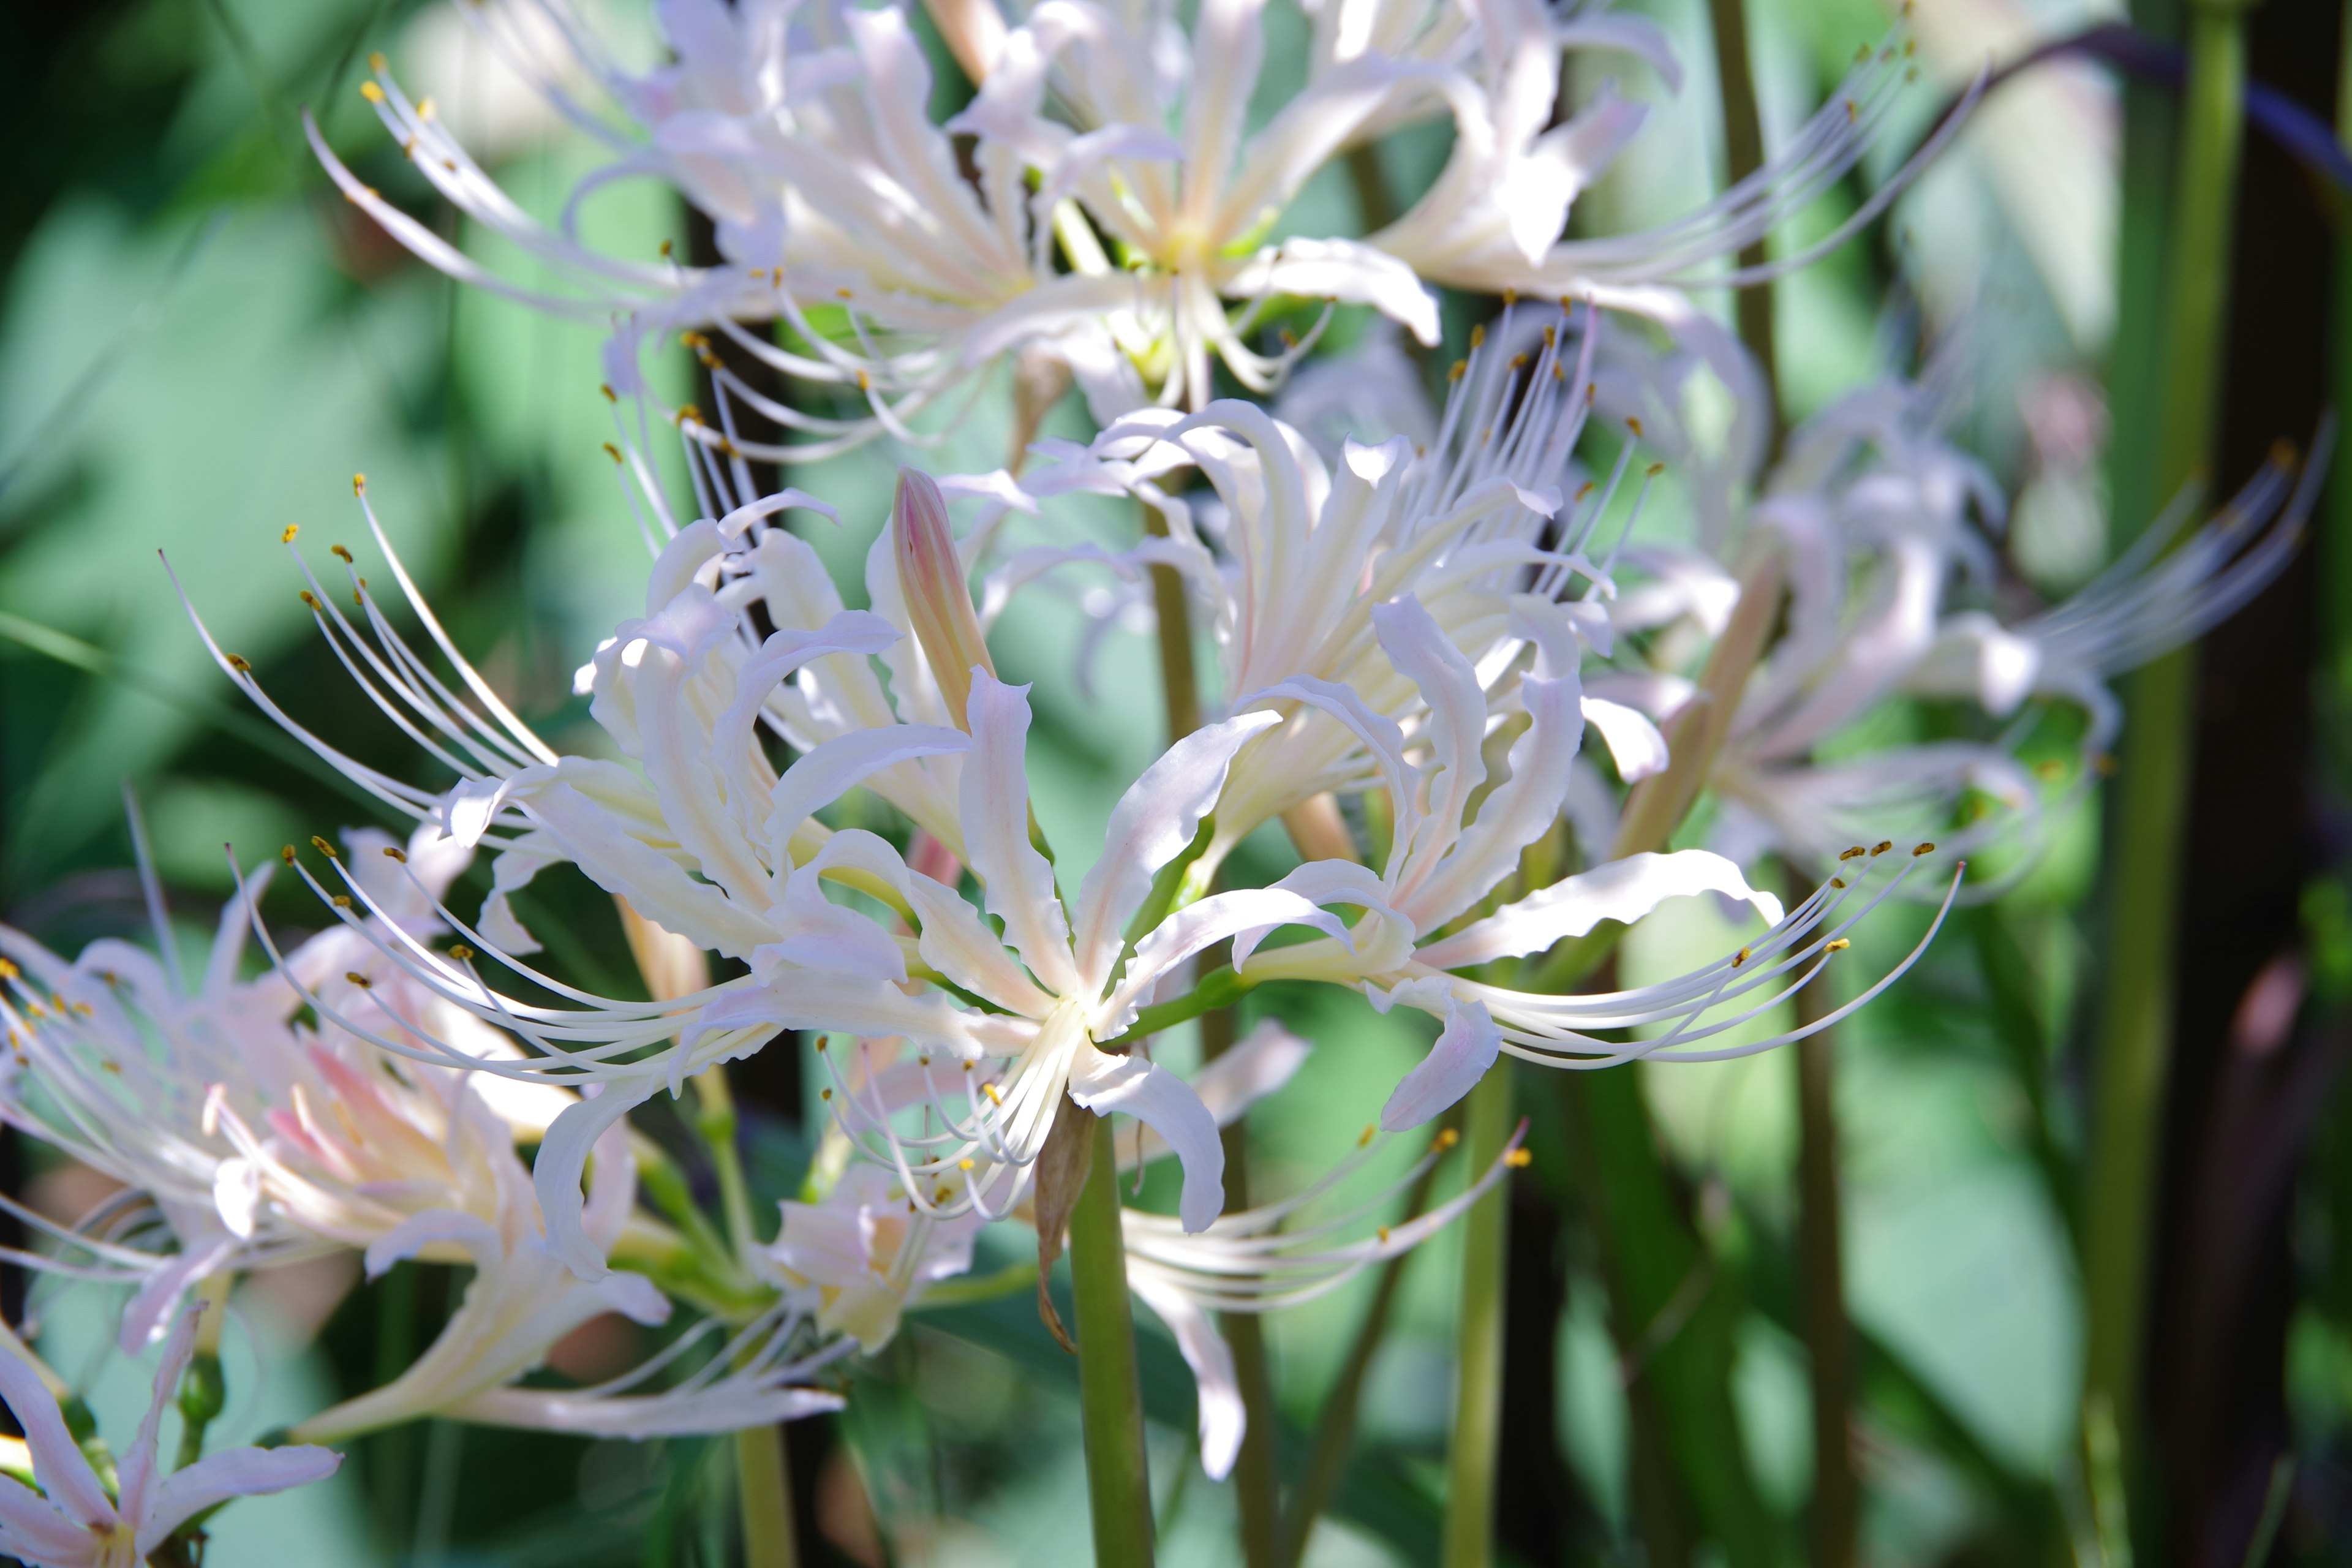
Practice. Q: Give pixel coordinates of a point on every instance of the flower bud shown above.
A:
(931, 581)
(974, 33)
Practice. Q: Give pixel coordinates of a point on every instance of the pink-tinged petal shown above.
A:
(1222, 1419)
(142, 1319)
(1623, 891)
(137, 1470)
(1154, 822)
(58, 1462)
(232, 1473)
(1016, 879)
(1103, 1083)
(34, 1530)
(1463, 1051)
(562, 1161)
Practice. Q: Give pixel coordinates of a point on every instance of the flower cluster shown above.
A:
(1500, 718)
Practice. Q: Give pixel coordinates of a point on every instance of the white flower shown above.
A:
(867, 1253)
(259, 1138)
(843, 212)
(71, 1523)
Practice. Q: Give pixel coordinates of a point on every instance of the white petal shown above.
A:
(1463, 1054)
(57, 1460)
(562, 1161)
(1218, 1389)
(233, 1472)
(1621, 890)
(1165, 1103)
(1017, 880)
(1634, 741)
(1154, 822)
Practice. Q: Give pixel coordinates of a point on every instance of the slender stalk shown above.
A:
(2135, 1041)
(1335, 1433)
(1256, 1473)
(763, 1482)
(1469, 1540)
(1743, 154)
(1820, 1256)
(1178, 682)
(1110, 1396)
(203, 1392)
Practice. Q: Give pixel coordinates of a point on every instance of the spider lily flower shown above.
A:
(257, 1139)
(523, 1300)
(1117, 214)
(1455, 844)
(71, 1522)
(1474, 526)
(1269, 1258)
(706, 838)
(866, 1254)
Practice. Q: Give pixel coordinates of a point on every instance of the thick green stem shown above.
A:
(764, 1487)
(1478, 1353)
(1110, 1396)
(1821, 1253)
(2135, 1036)
(1257, 1477)
(1178, 682)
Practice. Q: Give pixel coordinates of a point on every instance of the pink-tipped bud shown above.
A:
(974, 33)
(932, 581)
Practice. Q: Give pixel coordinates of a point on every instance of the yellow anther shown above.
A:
(395, 852)
(1364, 1138)
(824, 1094)
(1656, 470)
(1918, 850)
(286, 854)
(322, 847)
(1840, 945)
(1519, 361)
(1446, 1138)
(1477, 337)
(610, 396)
(1510, 297)
(375, 62)
(1862, 55)
(1852, 113)
(989, 1089)
(311, 599)
(371, 92)
(239, 663)
(842, 294)
(461, 952)
(666, 249)
(427, 109)
(1587, 488)
(287, 536)
(1455, 371)
(1881, 848)
(340, 553)
(1837, 882)
(356, 978)
(1856, 853)
(8, 971)
(865, 381)
(612, 452)
(1383, 1234)
(964, 1164)
(359, 484)
(342, 901)
(1741, 959)
(820, 1042)
(1551, 337)
(1634, 426)
(1518, 1159)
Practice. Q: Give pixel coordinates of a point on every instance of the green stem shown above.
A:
(1743, 154)
(2135, 1036)
(1335, 1433)
(763, 1484)
(1821, 1252)
(714, 1118)
(1257, 1476)
(1110, 1395)
(1469, 1541)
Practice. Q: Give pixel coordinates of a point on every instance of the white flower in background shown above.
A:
(73, 1523)
(1110, 207)
(521, 1300)
(256, 1139)
(1293, 559)
(867, 1253)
